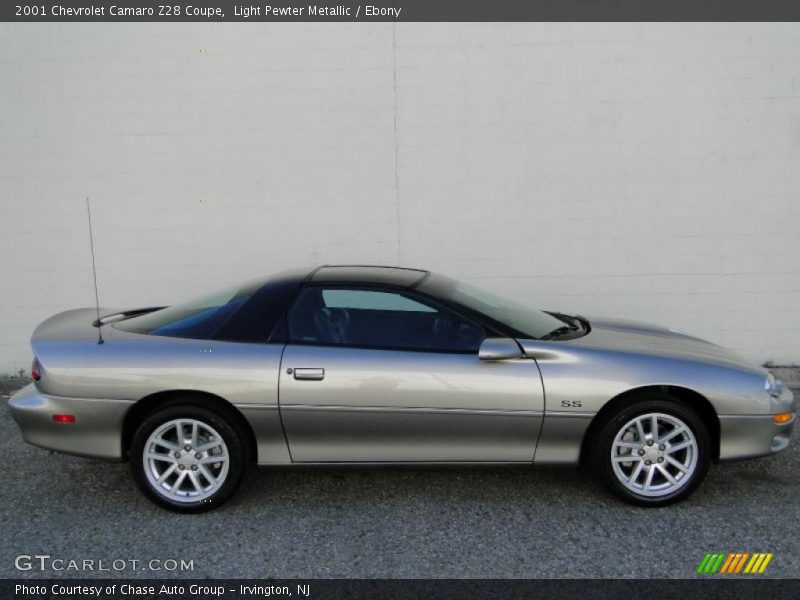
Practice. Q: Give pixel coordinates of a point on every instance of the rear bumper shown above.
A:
(96, 432)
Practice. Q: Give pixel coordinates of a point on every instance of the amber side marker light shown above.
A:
(781, 418)
(64, 418)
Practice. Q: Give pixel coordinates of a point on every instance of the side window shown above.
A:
(378, 319)
(369, 300)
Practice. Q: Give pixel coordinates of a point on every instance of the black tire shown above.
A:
(233, 438)
(600, 447)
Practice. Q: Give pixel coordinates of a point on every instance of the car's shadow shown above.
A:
(398, 486)
(303, 488)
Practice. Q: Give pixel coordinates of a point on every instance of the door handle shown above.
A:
(309, 374)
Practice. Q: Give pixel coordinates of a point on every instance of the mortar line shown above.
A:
(396, 145)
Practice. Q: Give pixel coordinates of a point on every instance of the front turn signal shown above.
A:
(782, 418)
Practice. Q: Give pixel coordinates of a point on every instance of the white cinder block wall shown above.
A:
(642, 170)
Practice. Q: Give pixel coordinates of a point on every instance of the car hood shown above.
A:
(645, 338)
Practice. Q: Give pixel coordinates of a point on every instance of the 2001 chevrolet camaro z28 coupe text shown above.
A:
(365, 365)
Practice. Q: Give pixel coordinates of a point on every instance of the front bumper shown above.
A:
(96, 432)
(751, 436)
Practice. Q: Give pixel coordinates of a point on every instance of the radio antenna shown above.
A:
(94, 274)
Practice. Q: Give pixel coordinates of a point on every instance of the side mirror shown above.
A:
(499, 349)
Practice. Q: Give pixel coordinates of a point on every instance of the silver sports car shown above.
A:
(365, 365)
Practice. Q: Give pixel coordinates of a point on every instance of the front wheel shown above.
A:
(653, 452)
(187, 458)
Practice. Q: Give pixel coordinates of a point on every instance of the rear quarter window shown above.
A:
(197, 319)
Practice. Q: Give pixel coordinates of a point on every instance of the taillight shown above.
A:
(36, 370)
(64, 418)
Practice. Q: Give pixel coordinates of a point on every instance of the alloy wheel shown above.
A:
(185, 460)
(654, 454)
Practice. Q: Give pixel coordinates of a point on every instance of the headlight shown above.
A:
(773, 387)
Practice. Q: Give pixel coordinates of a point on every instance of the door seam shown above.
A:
(280, 411)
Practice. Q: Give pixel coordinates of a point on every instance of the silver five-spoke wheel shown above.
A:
(654, 454)
(185, 460)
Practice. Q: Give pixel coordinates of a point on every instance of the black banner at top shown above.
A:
(399, 10)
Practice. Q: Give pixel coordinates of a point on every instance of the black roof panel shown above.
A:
(397, 276)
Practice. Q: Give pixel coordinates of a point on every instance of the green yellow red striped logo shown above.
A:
(732, 563)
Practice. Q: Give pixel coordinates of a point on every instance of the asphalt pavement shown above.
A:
(379, 522)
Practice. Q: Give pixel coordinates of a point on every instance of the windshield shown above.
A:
(195, 319)
(528, 321)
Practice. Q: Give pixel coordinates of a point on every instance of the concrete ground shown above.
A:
(501, 522)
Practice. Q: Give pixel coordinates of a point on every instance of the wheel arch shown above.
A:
(153, 402)
(693, 400)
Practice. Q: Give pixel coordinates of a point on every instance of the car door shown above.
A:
(381, 375)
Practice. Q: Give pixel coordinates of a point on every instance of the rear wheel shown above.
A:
(653, 452)
(187, 458)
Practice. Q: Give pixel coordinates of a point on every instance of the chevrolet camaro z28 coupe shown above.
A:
(385, 365)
